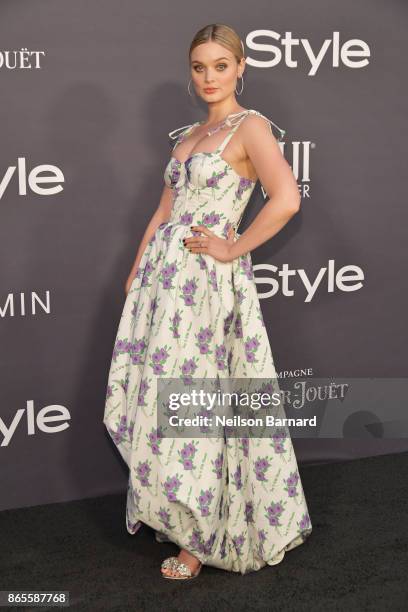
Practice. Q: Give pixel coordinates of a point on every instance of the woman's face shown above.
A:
(214, 71)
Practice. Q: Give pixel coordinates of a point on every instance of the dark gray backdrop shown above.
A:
(111, 82)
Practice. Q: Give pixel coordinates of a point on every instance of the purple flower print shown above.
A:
(135, 350)
(244, 184)
(214, 179)
(154, 439)
(164, 517)
(238, 327)
(122, 424)
(142, 473)
(238, 542)
(187, 370)
(273, 513)
(187, 454)
(279, 448)
(188, 366)
(171, 486)
(210, 219)
(203, 413)
(236, 478)
(143, 388)
(203, 336)
(251, 346)
(239, 294)
(204, 500)
(167, 233)
(244, 446)
(208, 544)
(116, 436)
(124, 383)
(226, 229)
(260, 467)
(278, 439)
(202, 262)
(175, 321)
(291, 483)
(158, 359)
(136, 307)
(195, 539)
(186, 219)
(246, 266)
(153, 305)
(304, 522)
(199, 545)
(109, 392)
(262, 535)
(213, 279)
(167, 274)
(293, 479)
(147, 270)
(188, 290)
(266, 387)
(124, 431)
(220, 356)
(174, 172)
(249, 511)
(262, 539)
(218, 463)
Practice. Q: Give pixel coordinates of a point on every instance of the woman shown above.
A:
(192, 311)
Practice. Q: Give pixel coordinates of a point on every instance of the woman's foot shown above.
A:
(184, 557)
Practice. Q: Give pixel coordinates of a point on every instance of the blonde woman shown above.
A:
(192, 311)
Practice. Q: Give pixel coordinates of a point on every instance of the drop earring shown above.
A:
(242, 88)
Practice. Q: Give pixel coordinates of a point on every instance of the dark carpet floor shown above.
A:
(355, 559)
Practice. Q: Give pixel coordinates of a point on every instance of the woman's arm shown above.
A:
(161, 215)
(278, 180)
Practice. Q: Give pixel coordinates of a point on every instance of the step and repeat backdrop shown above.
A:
(89, 94)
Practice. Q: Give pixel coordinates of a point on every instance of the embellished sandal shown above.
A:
(183, 569)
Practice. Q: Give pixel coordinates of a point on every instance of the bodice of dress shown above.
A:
(206, 189)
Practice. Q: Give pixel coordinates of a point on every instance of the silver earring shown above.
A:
(188, 88)
(242, 88)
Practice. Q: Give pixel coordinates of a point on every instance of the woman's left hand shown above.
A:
(210, 243)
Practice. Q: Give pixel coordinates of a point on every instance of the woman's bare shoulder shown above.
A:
(255, 120)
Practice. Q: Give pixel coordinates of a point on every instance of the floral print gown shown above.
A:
(235, 503)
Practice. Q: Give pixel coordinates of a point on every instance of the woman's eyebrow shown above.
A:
(216, 60)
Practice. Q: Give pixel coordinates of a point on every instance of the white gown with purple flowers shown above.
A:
(235, 503)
